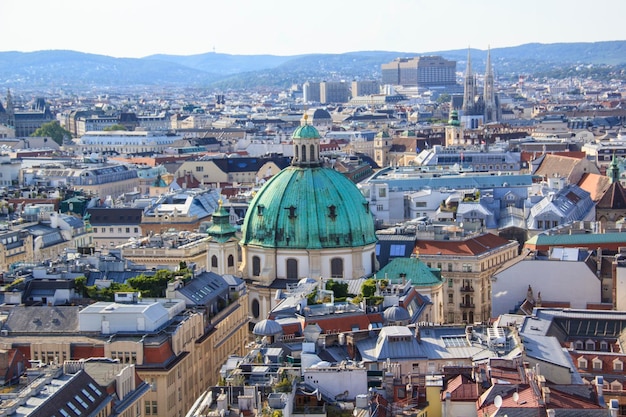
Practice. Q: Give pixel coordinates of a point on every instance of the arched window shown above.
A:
(296, 153)
(373, 260)
(303, 153)
(231, 260)
(312, 152)
(256, 308)
(292, 268)
(214, 261)
(336, 268)
(256, 266)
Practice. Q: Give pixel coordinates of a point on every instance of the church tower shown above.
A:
(307, 221)
(469, 91)
(223, 246)
(454, 130)
(10, 111)
(613, 171)
(382, 145)
(489, 94)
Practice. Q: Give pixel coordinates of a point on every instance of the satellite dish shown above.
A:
(515, 396)
(497, 401)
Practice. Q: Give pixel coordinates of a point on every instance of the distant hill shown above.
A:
(70, 69)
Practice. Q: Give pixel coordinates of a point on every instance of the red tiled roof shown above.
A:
(344, 322)
(469, 247)
(552, 164)
(595, 184)
(461, 388)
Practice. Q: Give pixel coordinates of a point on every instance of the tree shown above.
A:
(339, 289)
(368, 288)
(113, 128)
(52, 130)
(81, 285)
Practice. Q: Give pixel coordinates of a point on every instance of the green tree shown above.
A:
(151, 286)
(81, 285)
(339, 289)
(115, 127)
(368, 288)
(52, 130)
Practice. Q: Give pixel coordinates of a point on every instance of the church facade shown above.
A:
(307, 221)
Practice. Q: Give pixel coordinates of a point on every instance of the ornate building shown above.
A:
(307, 221)
(479, 108)
(611, 208)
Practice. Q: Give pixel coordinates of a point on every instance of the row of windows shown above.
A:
(464, 268)
(336, 267)
(231, 261)
(597, 364)
(112, 230)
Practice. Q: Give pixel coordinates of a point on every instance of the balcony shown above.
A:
(464, 304)
(467, 288)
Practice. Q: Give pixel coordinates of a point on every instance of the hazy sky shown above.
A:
(137, 28)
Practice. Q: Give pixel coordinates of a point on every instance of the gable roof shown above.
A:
(614, 198)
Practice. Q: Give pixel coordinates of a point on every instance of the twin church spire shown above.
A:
(480, 105)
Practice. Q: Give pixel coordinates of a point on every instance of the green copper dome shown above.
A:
(306, 132)
(308, 208)
(454, 118)
(221, 230)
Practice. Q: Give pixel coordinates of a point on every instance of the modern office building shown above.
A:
(334, 92)
(425, 71)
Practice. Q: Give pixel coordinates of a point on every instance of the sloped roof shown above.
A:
(204, 288)
(557, 165)
(469, 247)
(42, 320)
(415, 271)
(614, 198)
(582, 239)
(596, 185)
(461, 388)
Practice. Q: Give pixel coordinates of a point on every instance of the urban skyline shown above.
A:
(278, 27)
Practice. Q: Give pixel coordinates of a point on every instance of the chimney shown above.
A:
(545, 391)
(613, 407)
(418, 336)
(600, 388)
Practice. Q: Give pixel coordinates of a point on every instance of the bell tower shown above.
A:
(223, 246)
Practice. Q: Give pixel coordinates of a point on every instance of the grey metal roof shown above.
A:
(42, 320)
(399, 342)
(546, 349)
(204, 288)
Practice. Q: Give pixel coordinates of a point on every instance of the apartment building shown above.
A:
(466, 267)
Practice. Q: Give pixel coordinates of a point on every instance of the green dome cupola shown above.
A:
(454, 118)
(307, 206)
(306, 145)
(221, 230)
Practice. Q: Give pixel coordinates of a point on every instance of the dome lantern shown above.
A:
(306, 145)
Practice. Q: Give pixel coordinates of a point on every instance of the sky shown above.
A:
(139, 28)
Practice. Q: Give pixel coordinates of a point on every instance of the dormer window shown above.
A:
(597, 364)
(292, 211)
(259, 209)
(582, 363)
(332, 212)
